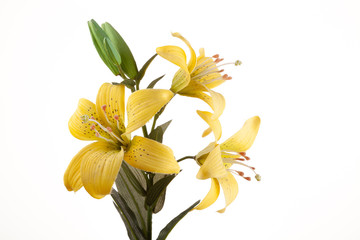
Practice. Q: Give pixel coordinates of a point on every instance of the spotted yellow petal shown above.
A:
(244, 138)
(214, 124)
(213, 166)
(181, 80)
(142, 105)
(72, 178)
(99, 168)
(192, 61)
(151, 156)
(79, 123)
(212, 195)
(110, 104)
(230, 189)
(173, 54)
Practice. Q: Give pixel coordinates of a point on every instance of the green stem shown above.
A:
(187, 157)
(149, 222)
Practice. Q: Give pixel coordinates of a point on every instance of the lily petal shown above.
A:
(192, 61)
(72, 178)
(244, 138)
(151, 156)
(211, 197)
(174, 54)
(142, 105)
(218, 103)
(180, 81)
(110, 104)
(99, 168)
(81, 129)
(214, 124)
(205, 151)
(213, 166)
(230, 189)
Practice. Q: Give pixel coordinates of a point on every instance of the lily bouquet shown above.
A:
(141, 167)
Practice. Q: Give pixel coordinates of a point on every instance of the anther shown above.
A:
(247, 158)
(258, 177)
(240, 173)
(92, 127)
(109, 129)
(103, 107)
(238, 63)
(92, 118)
(240, 159)
(116, 117)
(84, 118)
(247, 178)
(216, 56)
(218, 60)
(242, 154)
(221, 70)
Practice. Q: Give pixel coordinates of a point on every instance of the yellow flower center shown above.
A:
(114, 138)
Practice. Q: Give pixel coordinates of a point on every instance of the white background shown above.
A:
(299, 74)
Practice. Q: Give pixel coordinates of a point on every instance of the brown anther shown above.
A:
(109, 129)
(247, 178)
(103, 107)
(240, 173)
(116, 117)
(92, 118)
(252, 168)
(218, 60)
(221, 70)
(92, 127)
(240, 159)
(242, 154)
(247, 158)
(216, 56)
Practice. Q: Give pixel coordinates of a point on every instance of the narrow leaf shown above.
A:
(152, 84)
(167, 229)
(128, 215)
(155, 191)
(128, 63)
(158, 133)
(134, 181)
(142, 71)
(161, 201)
(126, 223)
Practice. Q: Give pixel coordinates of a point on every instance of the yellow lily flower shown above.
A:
(198, 77)
(216, 159)
(96, 166)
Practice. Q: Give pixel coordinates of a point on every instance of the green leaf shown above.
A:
(128, 63)
(142, 71)
(152, 84)
(112, 53)
(155, 191)
(98, 36)
(134, 181)
(128, 83)
(161, 201)
(158, 133)
(132, 197)
(167, 229)
(128, 215)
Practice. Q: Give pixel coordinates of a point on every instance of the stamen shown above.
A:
(97, 134)
(258, 177)
(84, 118)
(218, 60)
(216, 56)
(116, 117)
(103, 107)
(242, 154)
